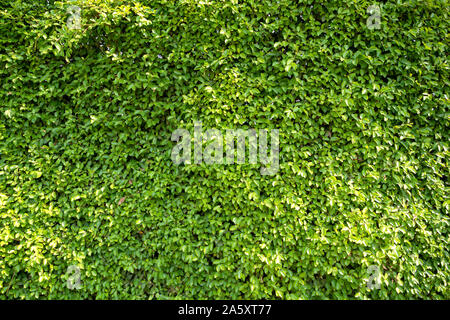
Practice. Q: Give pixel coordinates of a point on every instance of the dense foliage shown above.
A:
(87, 180)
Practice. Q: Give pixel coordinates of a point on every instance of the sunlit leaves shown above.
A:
(86, 176)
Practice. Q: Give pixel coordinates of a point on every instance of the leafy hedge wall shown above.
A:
(86, 177)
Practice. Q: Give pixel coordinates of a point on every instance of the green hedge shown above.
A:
(87, 180)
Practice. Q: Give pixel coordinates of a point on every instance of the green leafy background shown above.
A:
(86, 176)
